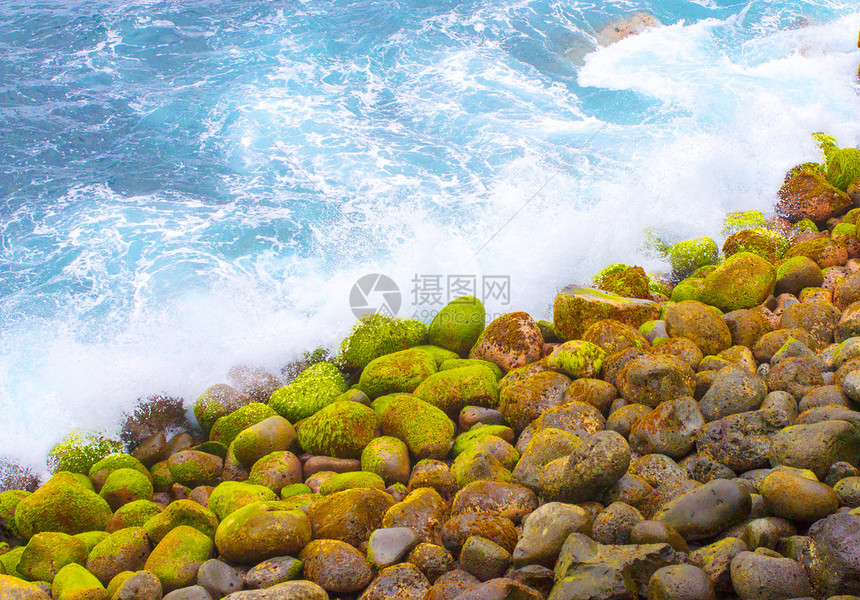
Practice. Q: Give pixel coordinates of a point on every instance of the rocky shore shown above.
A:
(686, 436)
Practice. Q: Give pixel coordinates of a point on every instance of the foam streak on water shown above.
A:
(188, 187)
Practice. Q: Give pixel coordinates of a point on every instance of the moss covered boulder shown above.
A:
(217, 401)
(347, 481)
(74, 582)
(623, 280)
(341, 430)
(350, 516)
(226, 428)
(454, 389)
(699, 323)
(126, 485)
(743, 219)
(375, 335)
(193, 467)
(510, 340)
(426, 430)
(524, 401)
(125, 550)
(825, 251)
(578, 308)
(808, 195)
(578, 358)
(262, 530)
(265, 437)
(9, 501)
(99, 472)
(794, 274)
(312, 389)
(181, 513)
(387, 457)
(765, 243)
(276, 471)
(14, 588)
(62, 504)
(233, 495)
(398, 372)
(80, 450)
(458, 325)
(689, 255)
(743, 280)
(48, 552)
(177, 558)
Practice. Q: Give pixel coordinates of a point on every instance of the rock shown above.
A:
(700, 323)
(399, 372)
(388, 545)
(181, 512)
(748, 326)
(387, 457)
(657, 532)
(496, 498)
(433, 560)
(686, 350)
(218, 578)
(544, 532)
(336, 566)
(816, 447)
(574, 417)
(458, 529)
(426, 430)
(796, 273)
(798, 498)
(688, 256)
(218, 401)
(766, 532)
(232, 495)
(193, 592)
(272, 572)
(142, 585)
(705, 511)
(100, 471)
(758, 576)
(63, 504)
(290, 590)
(620, 279)
(458, 325)
(511, 340)
(680, 582)
(270, 435)
(630, 489)
(808, 195)
(133, 514)
(826, 252)
(734, 390)
(817, 318)
(125, 550)
(312, 390)
(578, 358)
(613, 336)
(349, 516)
(797, 375)
(227, 427)
(48, 552)
(743, 280)
(848, 491)
(762, 242)
(614, 524)
(484, 558)
(625, 418)
(398, 582)
(262, 530)
(715, 559)
(524, 401)
(193, 468)
(74, 581)
(546, 446)
(454, 389)
(341, 429)
(586, 569)
(742, 441)
(433, 474)
(834, 562)
(669, 429)
(13, 587)
(375, 335)
(282, 468)
(594, 465)
(176, 559)
(596, 392)
(653, 379)
(576, 309)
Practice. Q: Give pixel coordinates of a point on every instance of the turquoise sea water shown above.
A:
(188, 186)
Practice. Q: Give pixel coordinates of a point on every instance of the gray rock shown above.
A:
(762, 576)
(194, 592)
(707, 510)
(834, 563)
(140, 586)
(816, 446)
(484, 558)
(766, 532)
(388, 545)
(734, 390)
(596, 464)
(290, 590)
(614, 524)
(669, 429)
(544, 533)
(716, 559)
(680, 582)
(742, 441)
(219, 578)
(400, 582)
(272, 572)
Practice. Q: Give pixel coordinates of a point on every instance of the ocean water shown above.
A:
(189, 186)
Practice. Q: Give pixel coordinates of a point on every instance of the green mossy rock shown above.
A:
(277, 470)
(176, 559)
(768, 244)
(399, 372)
(347, 481)
(341, 430)
(688, 289)
(216, 402)
(458, 325)
(699, 323)
(349, 516)
(457, 363)
(376, 335)
(181, 513)
(476, 464)
(468, 439)
(124, 550)
(91, 538)
(99, 472)
(314, 388)
(74, 582)
(844, 229)
(614, 336)
(453, 389)
(578, 358)
(10, 560)
(267, 436)
(438, 354)
(226, 428)
(126, 485)
(825, 251)
(426, 430)
(808, 195)
(387, 457)
(162, 480)
(9, 501)
(48, 552)
(62, 504)
(262, 530)
(80, 451)
(230, 496)
(133, 514)
(743, 280)
(689, 255)
(576, 309)
(794, 274)
(620, 279)
(192, 468)
(14, 588)
(743, 219)
(296, 489)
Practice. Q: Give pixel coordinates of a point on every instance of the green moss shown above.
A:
(744, 280)
(453, 389)
(80, 451)
(458, 325)
(426, 430)
(347, 481)
(618, 278)
(341, 430)
(91, 538)
(387, 457)
(439, 355)
(844, 229)
(457, 363)
(743, 219)
(10, 561)
(226, 428)
(217, 401)
(398, 372)
(578, 358)
(467, 440)
(48, 552)
(126, 485)
(842, 164)
(117, 581)
(295, 489)
(162, 480)
(177, 558)
(233, 495)
(380, 405)
(74, 581)
(214, 448)
(770, 245)
(688, 255)
(8, 503)
(376, 335)
(134, 514)
(687, 289)
(179, 513)
(63, 504)
(313, 389)
(477, 464)
(658, 283)
(100, 471)
(128, 547)
(806, 225)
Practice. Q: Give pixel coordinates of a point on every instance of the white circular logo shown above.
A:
(375, 293)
